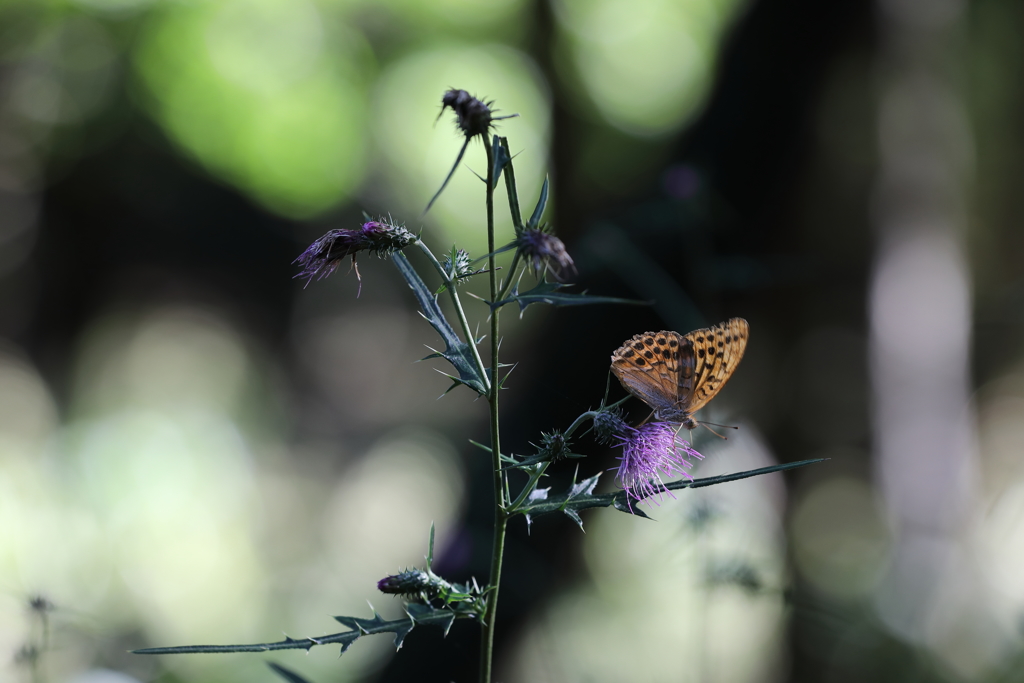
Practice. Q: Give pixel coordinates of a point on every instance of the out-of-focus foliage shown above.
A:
(268, 94)
(646, 67)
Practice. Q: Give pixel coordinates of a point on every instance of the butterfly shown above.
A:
(677, 374)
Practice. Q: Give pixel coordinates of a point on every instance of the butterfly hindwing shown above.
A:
(717, 352)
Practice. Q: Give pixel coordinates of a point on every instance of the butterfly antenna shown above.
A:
(607, 388)
(705, 426)
(714, 424)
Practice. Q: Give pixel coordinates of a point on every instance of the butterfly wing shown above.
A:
(717, 351)
(657, 368)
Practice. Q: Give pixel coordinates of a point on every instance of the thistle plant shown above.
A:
(652, 452)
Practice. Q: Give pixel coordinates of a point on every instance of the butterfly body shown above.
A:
(677, 374)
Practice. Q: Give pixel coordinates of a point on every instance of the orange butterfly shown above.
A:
(677, 374)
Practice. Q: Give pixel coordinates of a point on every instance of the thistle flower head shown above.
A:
(324, 256)
(608, 424)
(649, 452)
(544, 252)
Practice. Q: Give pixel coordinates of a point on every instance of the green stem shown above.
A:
(449, 283)
(500, 516)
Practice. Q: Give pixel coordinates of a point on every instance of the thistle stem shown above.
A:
(500, 515)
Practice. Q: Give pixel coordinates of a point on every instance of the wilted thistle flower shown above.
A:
(544, 252)
(325, 255)
(608, 424)
(473, 116)
(648, 452)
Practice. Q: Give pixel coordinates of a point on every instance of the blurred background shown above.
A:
(196, 448)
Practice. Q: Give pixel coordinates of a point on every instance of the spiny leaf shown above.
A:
(423, 614)
(416, 614)
(574, 516)
(550, 293)
(501, 158)
(542, 203)
(581, 497)
(456, 351)
(500, 250)
(462, 153)
(536, 494)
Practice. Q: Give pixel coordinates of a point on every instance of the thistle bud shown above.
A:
(553, 447)
(608, 424)
(410, 582)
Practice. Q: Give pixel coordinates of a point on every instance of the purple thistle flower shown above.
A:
(545, 252)
(649, 452)
(325, 255)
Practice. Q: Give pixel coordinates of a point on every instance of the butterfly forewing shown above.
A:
(717, 351)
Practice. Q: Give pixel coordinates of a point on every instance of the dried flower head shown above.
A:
(324, 256)
(649, 452)
(545, 253)
(473, 116)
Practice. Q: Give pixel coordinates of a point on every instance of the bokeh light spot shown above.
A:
(263, 97)
(840, 540)
(646, 66)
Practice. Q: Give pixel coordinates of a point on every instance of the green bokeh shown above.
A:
(646, 67)
(266, 94)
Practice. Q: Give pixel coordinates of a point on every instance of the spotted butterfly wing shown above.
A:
(676, 374)
(657, 368)
(717, 351)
